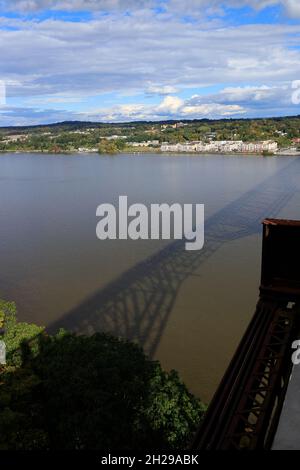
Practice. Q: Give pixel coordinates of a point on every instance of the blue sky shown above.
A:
(126, 60)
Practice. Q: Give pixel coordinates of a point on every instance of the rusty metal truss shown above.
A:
(245, 410)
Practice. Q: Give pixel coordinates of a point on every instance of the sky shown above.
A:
(128, 60)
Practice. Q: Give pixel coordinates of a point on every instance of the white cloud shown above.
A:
(213, 110)
(121, 54)
(171, 107)
(196, 7)
(170, 104)
(161, 90)
(260, 100)
(251, 101)
(253, 94)
(18, 116)
(293, 8)
(189, 7)
(50, 61)
(55, 99)
(73, 5)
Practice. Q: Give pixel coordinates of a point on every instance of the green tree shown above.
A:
(107, 146)
(98, 392)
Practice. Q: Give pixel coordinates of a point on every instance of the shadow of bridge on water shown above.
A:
(137, 304)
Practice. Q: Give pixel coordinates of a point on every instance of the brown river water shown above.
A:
(187, 309)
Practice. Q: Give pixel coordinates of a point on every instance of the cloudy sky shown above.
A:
(126, 60)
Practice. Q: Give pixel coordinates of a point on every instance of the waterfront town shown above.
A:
(223, 146)
(213, 146)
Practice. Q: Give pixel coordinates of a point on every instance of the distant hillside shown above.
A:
(71, 125)
(71, 136)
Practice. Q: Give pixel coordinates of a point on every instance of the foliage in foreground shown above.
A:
(98, 392)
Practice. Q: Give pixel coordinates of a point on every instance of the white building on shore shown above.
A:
(226, 146)
(149, 143)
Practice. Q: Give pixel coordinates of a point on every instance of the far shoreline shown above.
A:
(152, 152)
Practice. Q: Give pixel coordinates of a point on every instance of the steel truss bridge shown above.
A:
(246, 408)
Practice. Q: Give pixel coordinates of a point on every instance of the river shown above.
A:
(188, 310)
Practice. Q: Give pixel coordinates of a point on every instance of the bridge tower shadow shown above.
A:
(138, 303)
